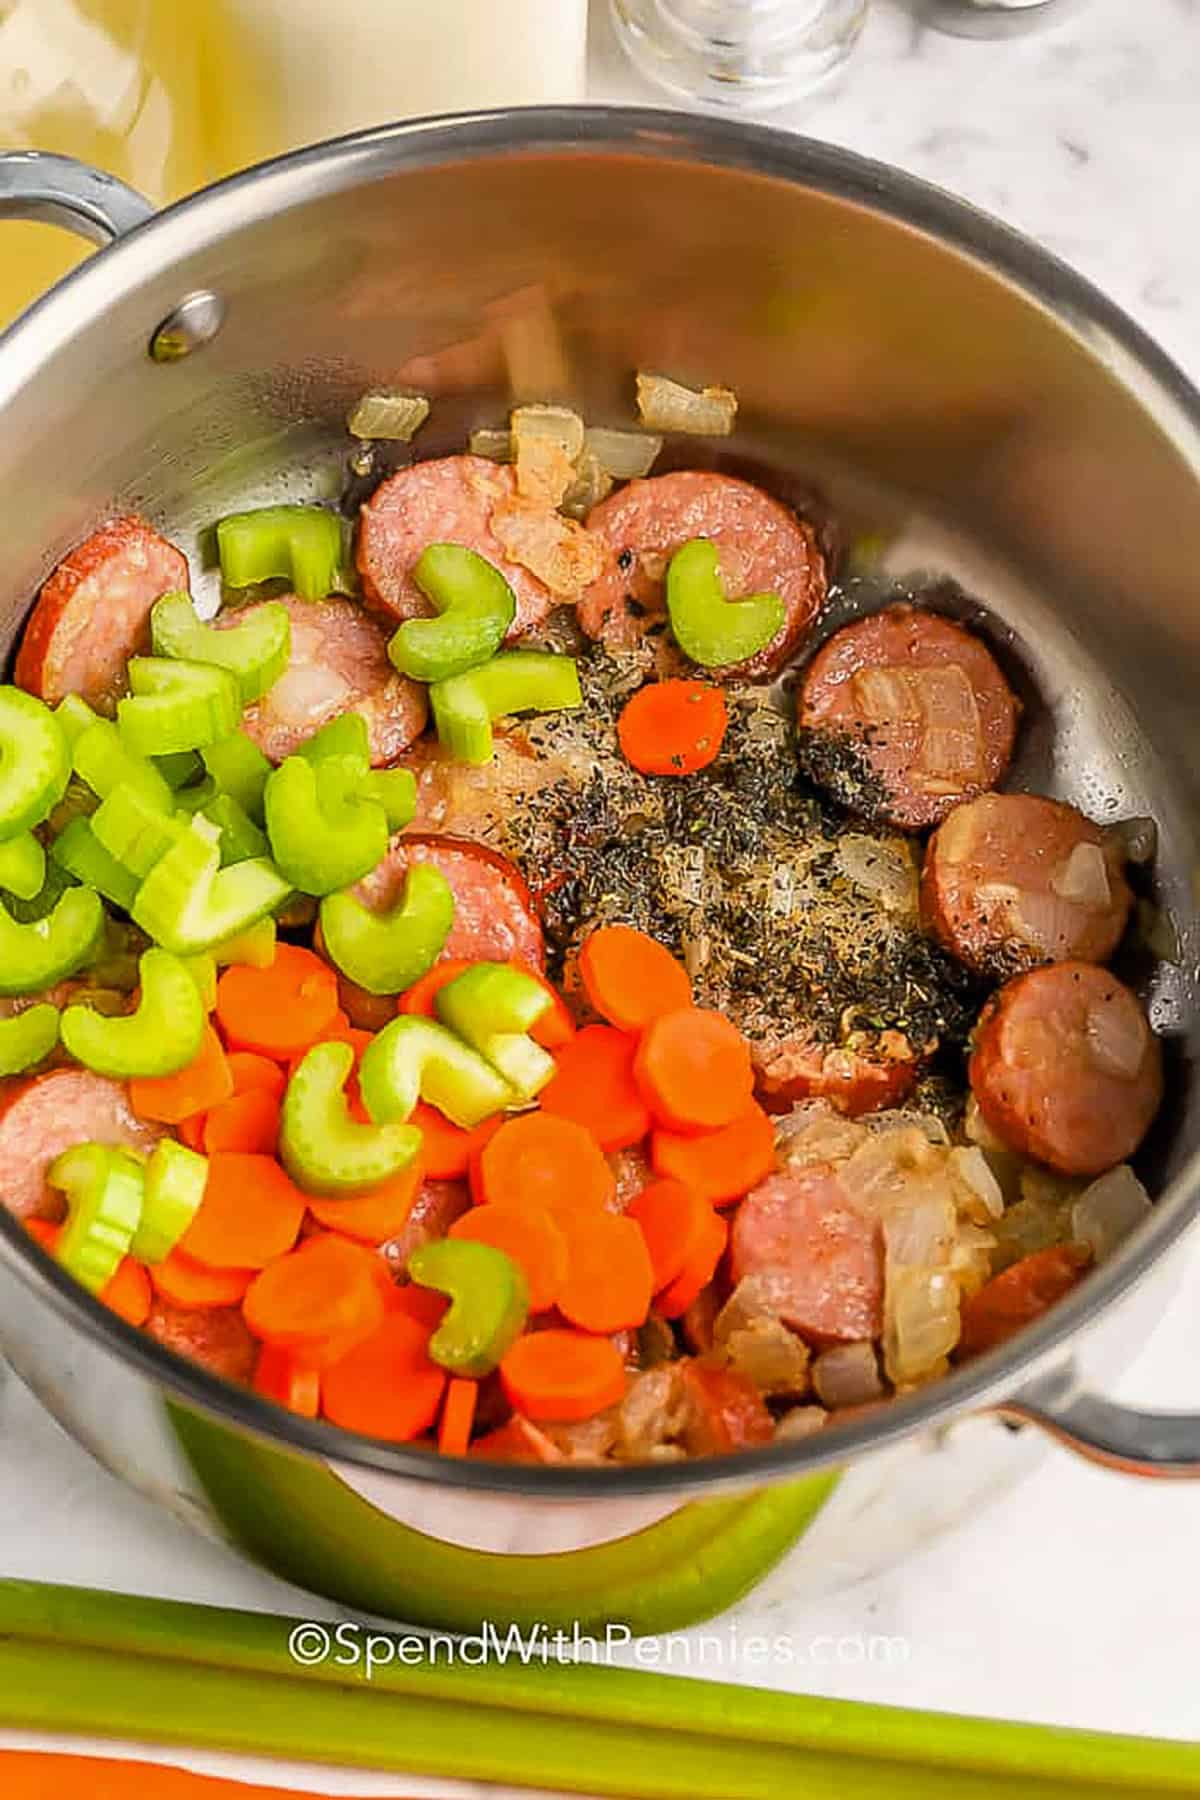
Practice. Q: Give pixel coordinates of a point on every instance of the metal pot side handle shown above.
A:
(58, 190)
(1118, 1437)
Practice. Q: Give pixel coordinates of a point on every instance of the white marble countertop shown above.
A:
(1074, 1601)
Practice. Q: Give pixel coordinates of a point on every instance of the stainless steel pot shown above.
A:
(933, 371)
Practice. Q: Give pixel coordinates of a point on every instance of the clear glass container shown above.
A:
(741, 55)
(994, 18)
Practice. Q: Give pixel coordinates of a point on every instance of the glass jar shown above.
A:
(745, 55)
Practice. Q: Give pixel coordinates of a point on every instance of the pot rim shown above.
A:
(1134, 361)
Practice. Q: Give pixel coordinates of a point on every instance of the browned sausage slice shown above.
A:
(449, 501)
(1066, 1068)
(1014, 880)
(764, 548)
(859, 1077)
(437, 1205)
(904, 714)
(216, 1337)
(94, 613)
(494, 915)
(339, 663)
(820, 1261)
(44, 1116)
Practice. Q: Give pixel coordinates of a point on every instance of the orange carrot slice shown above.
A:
(325, 1291)
(630, 978)
(248, 1122)
(530, 1236)
(696, 1274)
(184, 1283)
(609, 1282)
(458, 1416)
(676, 1223)
(386, 1387)
(254, 1073)
(287, 1380)
(128, 1293)
(250, 1214)
(594, 1086)
(419, 999)
(563, 1375)
(722, 1165)
(281, 1010)
(376, 1216)
(673, 727)
(542, 1161)
(693, 1068)
(169, 1098)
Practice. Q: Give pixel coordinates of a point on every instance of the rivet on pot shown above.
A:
(194, 322)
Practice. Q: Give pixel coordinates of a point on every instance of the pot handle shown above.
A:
(1118, 1437)
(58, 190)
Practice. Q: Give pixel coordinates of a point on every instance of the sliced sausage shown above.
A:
(763, 546)
(40, 1118)
(820, 1262)
(1019, 1295)
(1014, 880)
(94, 613)
(437, 1205)
(216, 1337)
(725, 1411)
(863, 1077)
(339, 663)
(1066, 1068)
(494, 915)
(449, 501)
(904, 714)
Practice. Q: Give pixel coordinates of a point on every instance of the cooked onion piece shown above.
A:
(1108, 1210)
(625, 455)
(665, 405)
(394, 416)
(847, 1375)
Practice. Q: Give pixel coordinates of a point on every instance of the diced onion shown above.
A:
(395, 416)
(1138, 838)
(625, 455)
(884, 696)
(800, 1422)
(977, 1128)
(956, 836)
(880, 1175)
(899, 1118)
(972, 1168)
(555, 424)
(592, 484)
(1083, 878)
(770, 1356)
(921, 1323)
(560, 552)
(952, 736)
(1108, 1210)
(847, 1375)
(495, 444)
(665, 405)
(652, 1412)
(813, 1133)
(1116, 1038)
(881, 868)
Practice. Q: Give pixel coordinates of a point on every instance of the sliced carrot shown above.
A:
(458, 1416)
(630, 978)
(696, 1274)
(676, 1223)
(191, 1129)
(610, 1281)
(248, 1122)
(281, 1010)
(594, 1086)
(563, 1375)
(1019, 1294)
(556, 1026)
(204, 1083)
(420, 997)
(481, 1137)
(181, 1282)
(250, 1214)
(722, 1165)
(43, 1232)
(445, 1148)
(283, 1377)
(543, 1161)
(530, 1236)
(323, 1292)
(254, 1073)
(386, 1387)
(693, 1068)
(376, 1216)
(129, 1293)
(673, 727)
(339, 1031)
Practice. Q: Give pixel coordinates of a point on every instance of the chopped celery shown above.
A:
(475, 608)
(177, 705)
(240, 769)
(22, 866)
(300, 544)
(34, 762)
(255, 651)
(253, 948)
(179, 768)
(711, 630)
(159, 1038)
(103, 1187)
(189, 903)
(386, 952)
(492, 1007)
(322, 836)
(173, 1187)
(75, 717)
(33, 957)
(104, 762)
(489, 1302)
(396, 791)
(203, 970)
(77, 850)
(240, 836)
(27, 1037)
(133, 832)
(344, 736)
(324, 1149)
(513, 681)
(413, 1059)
